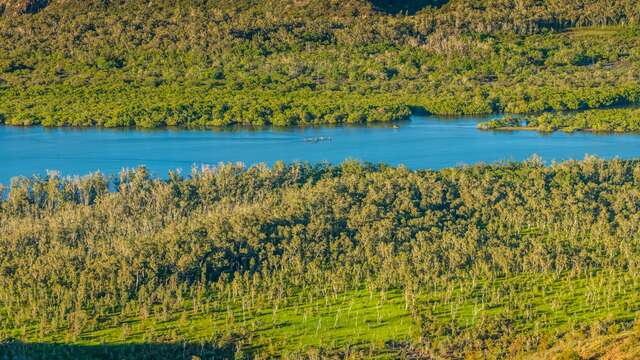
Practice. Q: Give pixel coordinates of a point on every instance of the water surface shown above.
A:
(422, 142)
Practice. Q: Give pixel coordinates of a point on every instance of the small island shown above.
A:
(508, 122)
(616, 120)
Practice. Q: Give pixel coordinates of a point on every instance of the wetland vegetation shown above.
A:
(216, 63)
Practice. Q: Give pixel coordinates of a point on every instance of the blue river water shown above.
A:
(422, 142)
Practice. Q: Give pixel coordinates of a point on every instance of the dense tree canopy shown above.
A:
(600, 120)
(282, 62)
(74, 252)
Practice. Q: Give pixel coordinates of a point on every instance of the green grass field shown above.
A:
(373, 323)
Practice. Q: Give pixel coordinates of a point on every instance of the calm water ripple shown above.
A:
(423, 142)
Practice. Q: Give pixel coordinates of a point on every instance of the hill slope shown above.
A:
(285, 62)
(297, 260)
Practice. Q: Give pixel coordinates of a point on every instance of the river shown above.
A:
(422, 142)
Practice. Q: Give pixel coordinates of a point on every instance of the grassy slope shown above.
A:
(361, 322)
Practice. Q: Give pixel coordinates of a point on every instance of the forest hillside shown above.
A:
(295, 62)
(312, 261)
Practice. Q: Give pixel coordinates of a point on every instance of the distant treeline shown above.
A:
(213, 63)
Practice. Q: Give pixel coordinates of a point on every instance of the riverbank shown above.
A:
(610, 120)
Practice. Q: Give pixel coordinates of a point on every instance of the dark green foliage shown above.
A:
(609, 120)
(220, 62)
(601, 120)
(502, 123)
(405, 6)
(17, 350)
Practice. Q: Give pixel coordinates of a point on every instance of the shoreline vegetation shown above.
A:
(298, 260)
(615, 120)
(219, 63)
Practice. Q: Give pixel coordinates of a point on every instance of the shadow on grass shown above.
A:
(27, 351)
(410, 7)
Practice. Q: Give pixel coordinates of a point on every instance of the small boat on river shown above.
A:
(318, 139)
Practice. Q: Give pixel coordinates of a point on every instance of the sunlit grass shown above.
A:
(535, 304)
